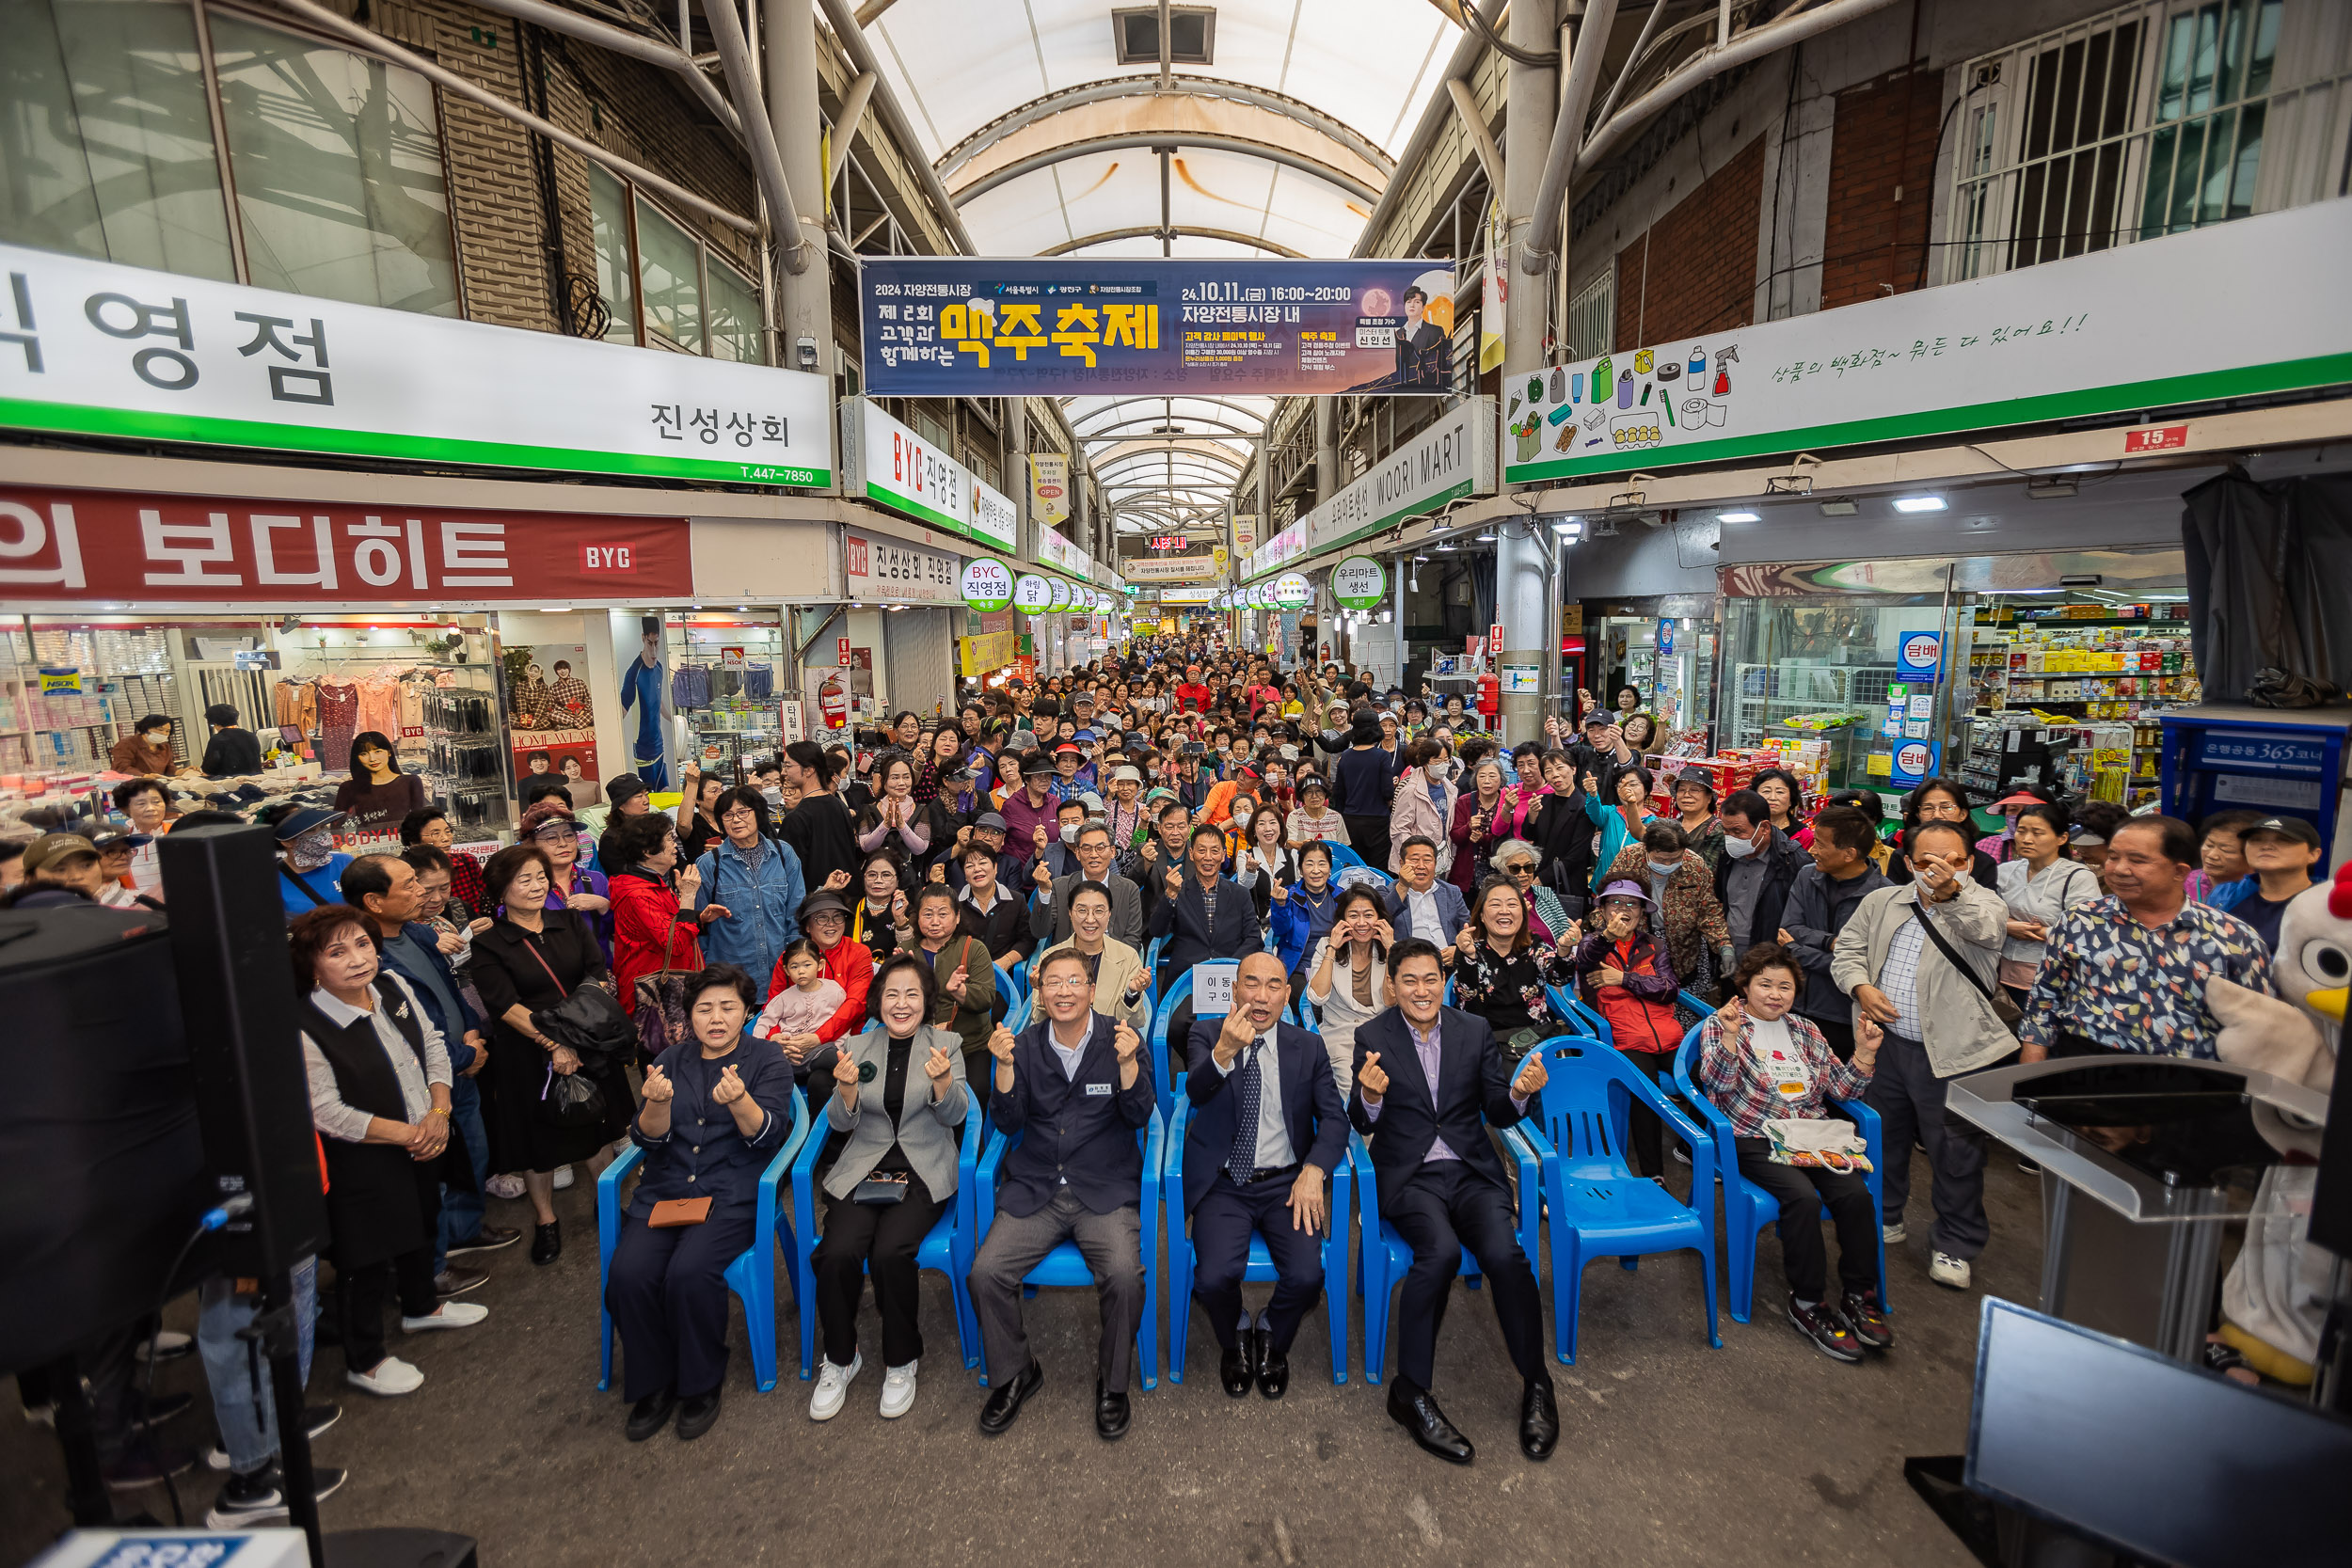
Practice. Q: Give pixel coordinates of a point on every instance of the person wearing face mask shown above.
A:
(146, 750)
(1421, 805)
(310, 867)
(1049, 904)
(1759, 867)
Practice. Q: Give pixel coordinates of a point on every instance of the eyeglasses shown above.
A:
(1064, 982)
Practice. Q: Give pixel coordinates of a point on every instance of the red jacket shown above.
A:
(1641, 1010)
(649, 932)
(1192, 699)
(848, 965)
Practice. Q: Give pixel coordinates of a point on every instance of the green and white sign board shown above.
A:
(889, 464)
(1033, 594)
(90, 348)
(1292, 590)
(2236, 310)
(988, 585)
(1453, 458)
(1360, 582)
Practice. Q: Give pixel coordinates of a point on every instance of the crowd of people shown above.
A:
(842, 921)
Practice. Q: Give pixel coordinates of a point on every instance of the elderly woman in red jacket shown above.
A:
(825, 920)
(1629, 980)
(654, 924)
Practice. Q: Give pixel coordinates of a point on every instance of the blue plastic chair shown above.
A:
(1065, 1266)
(1748, 1209)
(946, 1250)
(753, 1274)
(1594, 1204)
(1013, 982)
(1260, 1268)
(1382, 1256)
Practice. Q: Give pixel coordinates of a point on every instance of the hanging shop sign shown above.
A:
(1057, 595)
(2067, 339)
(873, 567)
(987, 653)
(121, 547)
(1360, 582)
(887, 463)
(1054, 549)
(987, 585)
(1291, 590)
(1032, 594)
(1186, 568)
(1286, 545)
(1452, 458)
(956, 327)
(1049, 487)
(90, 348)
(1245, 533)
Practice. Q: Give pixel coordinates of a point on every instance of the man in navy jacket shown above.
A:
(1429, 1081)
(1267, 1130)
(1204, 914)
(1077, 1088)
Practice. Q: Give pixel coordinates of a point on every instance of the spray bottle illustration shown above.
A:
(1728, 356)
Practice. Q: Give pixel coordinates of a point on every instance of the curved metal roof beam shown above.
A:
(1239, 146)
(1159, 448)
(1206, 429)
(1163, 398)
(1053, 104)
(1182, 230)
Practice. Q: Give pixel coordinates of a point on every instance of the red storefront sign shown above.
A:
(2156, 438)
(100, 546)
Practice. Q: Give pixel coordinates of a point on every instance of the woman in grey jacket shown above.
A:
(899, 1095)
(1939, 1023)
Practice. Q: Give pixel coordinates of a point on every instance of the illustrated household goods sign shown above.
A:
(2092, 335)
(88, 348)
(1047, 325)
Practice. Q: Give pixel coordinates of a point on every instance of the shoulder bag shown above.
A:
(589, 1021)
(662, 1002)
(2009, 1012)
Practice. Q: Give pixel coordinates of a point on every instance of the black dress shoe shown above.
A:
(1110, 1414)
(547, 1241)
(1003, 1403)
(697, 1415)
(1233, 1367)
(1539, 1421)
(1412, 1408)
(651, 1414)
(1274, 1367)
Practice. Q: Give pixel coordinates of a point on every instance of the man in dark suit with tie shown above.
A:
(1267, 1130)
(1204, 914)
(1429, 1080)
(1077, 1086)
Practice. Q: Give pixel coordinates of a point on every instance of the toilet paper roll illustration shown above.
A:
(1641, 428)
(1700, 411)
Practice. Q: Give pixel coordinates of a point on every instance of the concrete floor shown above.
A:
(1763, 1452)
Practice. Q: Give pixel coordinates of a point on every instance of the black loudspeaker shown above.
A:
(101, 1166)
(236, 1005)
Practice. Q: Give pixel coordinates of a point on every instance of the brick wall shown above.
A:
(1694, 271)
(1882, 168)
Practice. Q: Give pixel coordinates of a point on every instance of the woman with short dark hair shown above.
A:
(1503, 969)
(530, 960)
(718, 1106)
(654, 924)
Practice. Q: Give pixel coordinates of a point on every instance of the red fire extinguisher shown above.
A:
(832, 702)
(1489, 695)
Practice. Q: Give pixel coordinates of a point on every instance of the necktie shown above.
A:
(1241, 1163)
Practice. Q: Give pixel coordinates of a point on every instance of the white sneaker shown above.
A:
(832, 1389)
(169, 1345)
(391, 1376)
(1895, 1234)
(562, 1177)
(897, 1396)
(506, 1185)
(1945, 1269)
(450, 1314)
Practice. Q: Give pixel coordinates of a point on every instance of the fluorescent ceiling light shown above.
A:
(1839, 509)
(1738, 518)
(1486, 538)
(1918, 504)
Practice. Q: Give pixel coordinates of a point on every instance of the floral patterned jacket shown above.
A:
(1693, 919)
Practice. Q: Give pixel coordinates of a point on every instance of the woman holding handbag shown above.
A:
(655, 928)
(897, 1100)
(718, 1106)
(530, 959)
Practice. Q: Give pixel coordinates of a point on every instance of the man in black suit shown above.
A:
(1077, 1086)
(1424, 1076)
(1204, 914)
(1049, 904)
(1267, 1130)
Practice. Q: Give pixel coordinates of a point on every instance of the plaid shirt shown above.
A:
(1729, 1075)
(571, 691)
(2130, 986)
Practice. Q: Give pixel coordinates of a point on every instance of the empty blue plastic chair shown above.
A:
(1748, 1209)
(1182, 1260)
(1593, 1203)
(1383, 1256)
(753, 1274)
(1065, 1266)
(945, 1249)
(1011, 982)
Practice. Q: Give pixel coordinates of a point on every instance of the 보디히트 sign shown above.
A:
(90, 348)
(1055, 325)
(2091, 335)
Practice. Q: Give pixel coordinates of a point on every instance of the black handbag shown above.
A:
(2007, 1011)
(589, 1021)
(571, 1100)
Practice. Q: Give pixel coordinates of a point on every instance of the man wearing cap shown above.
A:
(989, 832)
(1049, 904)
(1192, 697)
(114, 850)
(310, 867)
(67, 861)
(2282, 850)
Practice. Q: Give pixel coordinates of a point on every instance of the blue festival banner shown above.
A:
(1054, 326)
